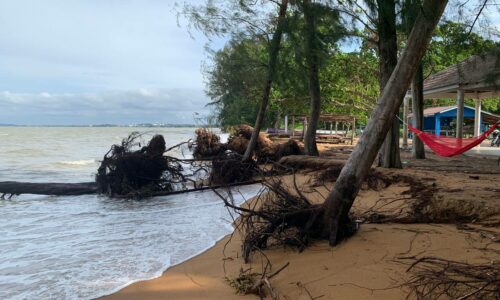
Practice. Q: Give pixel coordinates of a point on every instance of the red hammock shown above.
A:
(447, 146)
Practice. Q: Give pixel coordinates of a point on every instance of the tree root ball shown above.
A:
(243, 130)
(207, 144)
(291, 147)
(237, 144)
(287, 219)
(265, 149)
(231, 168)
(125, 172)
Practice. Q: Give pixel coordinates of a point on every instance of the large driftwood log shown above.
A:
(56, 189)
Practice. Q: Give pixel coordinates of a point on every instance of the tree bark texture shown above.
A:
(388, 54)
(313, 77)
(417, 91)
(338, 203)
(273, 59)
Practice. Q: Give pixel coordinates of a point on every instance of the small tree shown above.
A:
(239, 18)
(271, 73)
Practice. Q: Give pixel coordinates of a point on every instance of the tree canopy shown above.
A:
(349, 75)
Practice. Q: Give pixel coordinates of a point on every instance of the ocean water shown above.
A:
(83, 247)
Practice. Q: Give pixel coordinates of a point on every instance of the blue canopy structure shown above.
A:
(442, 120)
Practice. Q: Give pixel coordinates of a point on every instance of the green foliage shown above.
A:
(350, 84)
(489, 105)
(452, 43)
(237, 73)
(235, 81)
(349, 81)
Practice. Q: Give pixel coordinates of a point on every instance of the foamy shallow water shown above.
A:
(88, 246)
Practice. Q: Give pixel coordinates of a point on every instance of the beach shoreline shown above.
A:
(370, 265)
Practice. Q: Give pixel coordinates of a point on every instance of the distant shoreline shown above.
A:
(111, 125)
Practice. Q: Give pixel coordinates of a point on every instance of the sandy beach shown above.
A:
(373, 263)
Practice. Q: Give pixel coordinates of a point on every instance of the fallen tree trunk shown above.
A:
(56, 189)
(205, 188)
(89, 188)
(310, 162)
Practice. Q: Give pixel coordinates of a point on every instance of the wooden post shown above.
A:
(304, 127)
(460, 113)
(293, 126)
(336, 127)
(406, 105)
(477, 117)
(353, 130)
(286, 124)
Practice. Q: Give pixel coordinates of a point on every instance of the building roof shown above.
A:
(485, 116)
(430, 111)
(478, 76)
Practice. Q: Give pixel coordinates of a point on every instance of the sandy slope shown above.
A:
(370, 265)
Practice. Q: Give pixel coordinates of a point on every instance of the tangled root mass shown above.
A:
(124, 171)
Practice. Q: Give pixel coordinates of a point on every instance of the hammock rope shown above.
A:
(448, 146)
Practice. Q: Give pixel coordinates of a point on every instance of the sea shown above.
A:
(83, 247)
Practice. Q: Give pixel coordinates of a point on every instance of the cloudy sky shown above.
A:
(98, 61)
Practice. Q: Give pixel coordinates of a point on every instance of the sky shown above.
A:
(78, 62)
(98, 61)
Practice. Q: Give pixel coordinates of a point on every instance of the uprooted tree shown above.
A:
(127, 170)
(331, 220)
(339, 202)
(124, 171)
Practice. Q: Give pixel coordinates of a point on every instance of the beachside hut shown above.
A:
(441, 120)
(347, 122)
(477, 77)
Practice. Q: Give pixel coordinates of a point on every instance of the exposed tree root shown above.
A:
(124, 171)
(230, 168)
(280, 217)
(250, 283)
(437, 278)
(207, 144)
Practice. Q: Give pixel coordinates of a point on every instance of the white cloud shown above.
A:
(84, 45)
(117, 107)
(59, 59)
